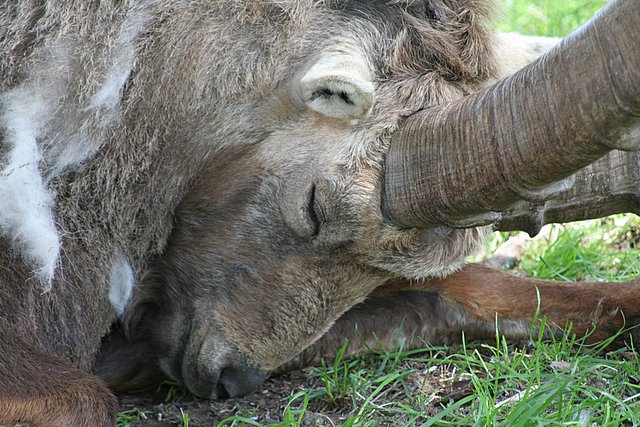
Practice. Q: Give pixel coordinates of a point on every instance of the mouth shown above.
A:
(215, 371)
(229, 382)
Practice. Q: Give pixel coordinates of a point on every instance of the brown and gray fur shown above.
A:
(178, 155)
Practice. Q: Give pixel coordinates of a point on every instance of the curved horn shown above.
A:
(610, 185)
(464, 163)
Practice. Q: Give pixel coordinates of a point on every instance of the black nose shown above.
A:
(235, 381)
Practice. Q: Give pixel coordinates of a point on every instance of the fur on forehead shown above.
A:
(449, 37)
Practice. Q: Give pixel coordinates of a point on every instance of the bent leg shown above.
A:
(412, 314)
(603, 308)
(42, 390)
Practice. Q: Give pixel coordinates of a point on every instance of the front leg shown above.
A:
(414, 314)
(603, 308)
(45, 391)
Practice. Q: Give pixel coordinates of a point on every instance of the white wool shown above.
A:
(122, 283)
(28, 117)
(26, 215)
(73, 152)
(75, 148)
(108, 95)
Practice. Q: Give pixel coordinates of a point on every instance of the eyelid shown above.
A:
(313, 213)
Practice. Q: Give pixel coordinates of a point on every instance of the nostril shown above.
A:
(236, 381)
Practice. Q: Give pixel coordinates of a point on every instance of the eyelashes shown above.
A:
(313, 212)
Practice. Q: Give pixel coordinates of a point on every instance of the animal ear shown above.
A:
(338, 86)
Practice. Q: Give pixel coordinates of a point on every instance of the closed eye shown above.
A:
(312, 212)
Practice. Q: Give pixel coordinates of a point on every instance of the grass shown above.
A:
(130, 418)
(545, 382)
(597, 250)
(549, 383)
(553, 382)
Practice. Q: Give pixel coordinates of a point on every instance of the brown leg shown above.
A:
(412, 314)
(485, 292)
(42, 390)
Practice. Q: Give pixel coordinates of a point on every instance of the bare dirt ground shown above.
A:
(168, 405)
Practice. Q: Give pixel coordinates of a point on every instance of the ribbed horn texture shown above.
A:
(469, 162)
(610, 185)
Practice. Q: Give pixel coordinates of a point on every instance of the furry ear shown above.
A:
(339, 86)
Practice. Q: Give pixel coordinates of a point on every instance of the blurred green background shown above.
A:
(546, 17)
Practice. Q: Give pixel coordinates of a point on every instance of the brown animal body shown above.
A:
(218, 178)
